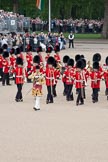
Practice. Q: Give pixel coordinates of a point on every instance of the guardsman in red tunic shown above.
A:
(64, 68)
(95, 76)
(69, 75)
(57, 56)
(48, 51)
(1, 64)
(12, 61)
(79, 83)
(56, 76)
(20, 76)
(6, 68)
(39, 50)
(105, 75)
(18, 53)
(50, 79)
(29, 60)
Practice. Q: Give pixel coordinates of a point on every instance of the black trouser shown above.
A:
(49, 95)
(69, 95)
(80, 95)
(28, 80)
(1, 74)
(19, 92)
(71, 43)
(106, 92)
(5, 78)
(54, 90)
(95, 94)
(65, 89)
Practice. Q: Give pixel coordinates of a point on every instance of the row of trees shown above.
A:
(91, 9)
(60, 8)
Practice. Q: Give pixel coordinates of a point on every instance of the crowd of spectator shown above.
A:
(33, 39)
(13, 21)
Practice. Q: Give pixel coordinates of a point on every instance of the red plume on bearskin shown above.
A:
(12, 51)
(57, 48)
(29, 48)
(49, 50)
(39, 49)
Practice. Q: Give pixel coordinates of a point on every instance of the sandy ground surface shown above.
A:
(59, 132)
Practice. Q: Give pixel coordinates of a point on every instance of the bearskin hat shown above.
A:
(71, 62)
(66, 59)
(77, 57)
(95, 65)
(19, 61)
(79, 64)
(49, 50)
(36, 59)
(57, 48)
(39, 49)
(17, 51)
(55, 64)
(97, 57)
(106, 60)
(12, 51)
(5, 54)
(84, 63)
(29, 48)
(82, 56)
(51, 60)
(1, 50)
(5, 46)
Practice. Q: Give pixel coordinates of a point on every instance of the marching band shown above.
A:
(72, 72)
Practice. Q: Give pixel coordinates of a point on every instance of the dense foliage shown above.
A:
(92, 9)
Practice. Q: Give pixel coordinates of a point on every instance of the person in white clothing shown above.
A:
(71, 40)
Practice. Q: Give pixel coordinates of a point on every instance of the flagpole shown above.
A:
(49, 15)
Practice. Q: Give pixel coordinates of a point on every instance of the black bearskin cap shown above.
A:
(5, 46)
(97, 57)
(12, 51)
(51, 60)
(29, 48)
(55, 64)
(79, 64)
(106, 60)
(49, 50)
(66, 59)
(96, 65)
(17, 51)
(84, 63)
(1, 50)
(77, 57)
(57, 48)
(5, 54)
(36, 59)
(82, 56)
(19, 61)
(39, 49)
(71, 62)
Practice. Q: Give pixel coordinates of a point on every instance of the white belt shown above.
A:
(50, 78)
(19, 76)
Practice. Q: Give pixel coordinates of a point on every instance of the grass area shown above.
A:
(85, 36)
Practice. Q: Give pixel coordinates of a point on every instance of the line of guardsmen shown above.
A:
(14, 64)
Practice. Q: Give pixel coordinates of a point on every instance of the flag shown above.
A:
(39, 4)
